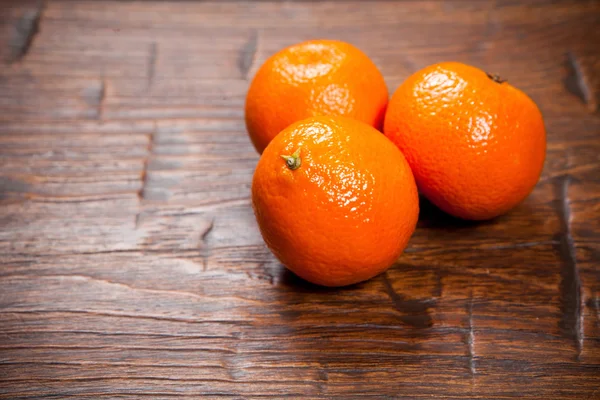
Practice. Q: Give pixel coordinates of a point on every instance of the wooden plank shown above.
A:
(130, 261)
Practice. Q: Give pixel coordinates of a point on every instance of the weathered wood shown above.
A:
(130, 261)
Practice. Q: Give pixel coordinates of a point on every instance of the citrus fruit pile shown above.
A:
(336, 199)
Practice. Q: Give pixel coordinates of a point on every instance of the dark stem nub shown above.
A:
(495, 77)
(294, 161)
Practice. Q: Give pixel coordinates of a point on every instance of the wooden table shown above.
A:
(130, 261)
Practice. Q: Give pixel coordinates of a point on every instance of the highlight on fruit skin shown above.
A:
(335, 200)
(475, 143)
(316, 77)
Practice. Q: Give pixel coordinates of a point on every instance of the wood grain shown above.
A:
(130, 261)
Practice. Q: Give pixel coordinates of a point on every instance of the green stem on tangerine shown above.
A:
(294, 161)
(495, 77)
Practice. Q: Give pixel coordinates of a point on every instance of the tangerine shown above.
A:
(317, 77)
(475, 143)
(335, 200)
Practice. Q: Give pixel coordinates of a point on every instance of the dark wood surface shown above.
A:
(130, 260)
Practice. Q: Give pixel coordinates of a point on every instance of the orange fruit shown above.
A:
(318, 77)
(475, 143)
(335, 200)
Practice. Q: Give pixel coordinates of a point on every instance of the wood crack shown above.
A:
(152, 56)
(206, 231)
(579, 81)
(25, 30)
(103, 347)
(125, 286)
(571, 298)
(116, 314)
(115, 393)
(484, 247)
(169, 252)
(206, 250)
(101, 99)
(108, 364)
(144, 177)
(161, 378)
(413, 312)
(235, 335)
(247, 56)
(471, 336)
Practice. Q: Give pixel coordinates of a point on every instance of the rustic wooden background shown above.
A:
(130, 260)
